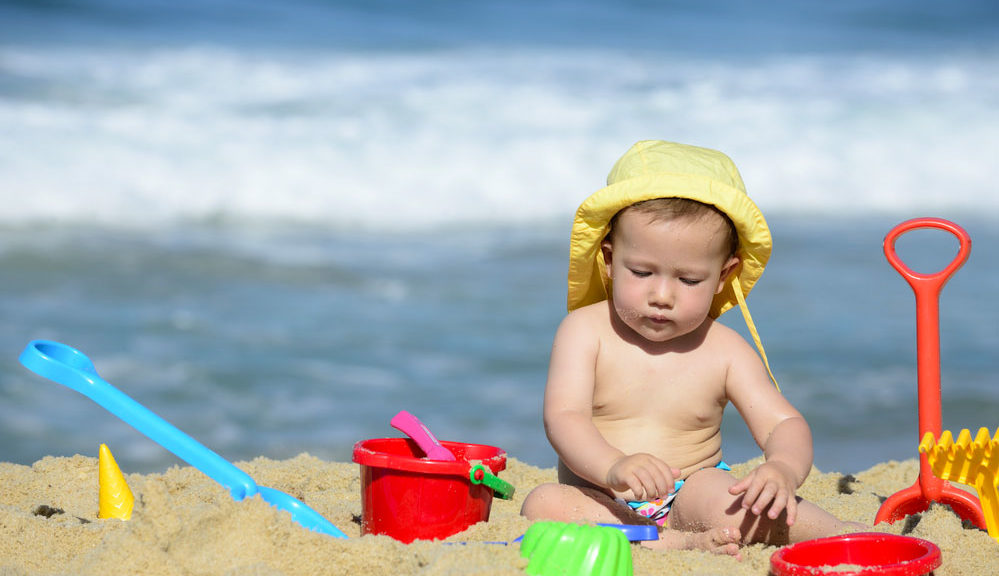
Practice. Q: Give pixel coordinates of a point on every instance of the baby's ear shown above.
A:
(606, 250)
(731, 267)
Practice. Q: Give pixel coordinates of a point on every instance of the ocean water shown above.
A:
(276, 224)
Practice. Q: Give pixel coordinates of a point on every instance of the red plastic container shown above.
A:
(862, 554)
(408, 497)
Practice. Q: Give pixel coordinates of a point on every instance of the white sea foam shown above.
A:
(385, 140)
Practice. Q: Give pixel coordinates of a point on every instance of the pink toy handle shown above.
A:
(411, 426)
(935, 281)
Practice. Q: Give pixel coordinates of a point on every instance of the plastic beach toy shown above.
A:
(975, 463)
(862, 554)
(115, 498)
(411, 426)
(479, 474)
(633, 532)
(411, 498)
(425, 439)
(559, 548)
(70, 367)
(928, 488)
(636, 532)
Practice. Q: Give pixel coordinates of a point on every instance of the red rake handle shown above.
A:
(927, 288)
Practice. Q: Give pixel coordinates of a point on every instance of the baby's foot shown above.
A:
(715, 540)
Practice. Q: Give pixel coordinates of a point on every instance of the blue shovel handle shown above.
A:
(72, 368)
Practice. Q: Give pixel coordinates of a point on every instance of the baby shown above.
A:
(640, 371)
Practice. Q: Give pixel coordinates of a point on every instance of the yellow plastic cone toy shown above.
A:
(116, 500)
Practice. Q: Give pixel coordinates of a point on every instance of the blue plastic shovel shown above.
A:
(70, 367)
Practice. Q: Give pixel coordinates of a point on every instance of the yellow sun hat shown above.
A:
(658, 169)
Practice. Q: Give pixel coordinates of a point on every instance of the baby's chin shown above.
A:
(661, 333)
(656, 336)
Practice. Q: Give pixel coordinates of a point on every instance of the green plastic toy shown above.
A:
(559, 548)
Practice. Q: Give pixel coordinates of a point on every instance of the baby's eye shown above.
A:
(640, 273)
(691, 281)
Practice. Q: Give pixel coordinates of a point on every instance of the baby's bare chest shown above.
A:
(684, 388)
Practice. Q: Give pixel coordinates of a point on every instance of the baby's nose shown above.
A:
(662, 294)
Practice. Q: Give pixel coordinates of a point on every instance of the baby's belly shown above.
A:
(688, 449)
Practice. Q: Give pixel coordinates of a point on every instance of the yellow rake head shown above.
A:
(974, 462)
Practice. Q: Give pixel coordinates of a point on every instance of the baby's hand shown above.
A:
(644, 475)
(773, 485)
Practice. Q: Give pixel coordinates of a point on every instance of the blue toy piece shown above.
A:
(636, 532)
(72, 368)
(633, 532)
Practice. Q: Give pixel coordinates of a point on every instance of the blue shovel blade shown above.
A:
(73, 369)
(300, 513)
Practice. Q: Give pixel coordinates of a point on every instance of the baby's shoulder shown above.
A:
(726, 340)
(592, 315)
(584, 324)
(717, 330)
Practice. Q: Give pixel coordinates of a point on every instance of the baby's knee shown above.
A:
(543, 502)
(704, 499)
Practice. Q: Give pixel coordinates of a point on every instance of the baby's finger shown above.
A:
(741, 486)
(764, 499)
(664, 487)
(665, 478)
(636, 489)
(649, 483)
(651, 479)
(792, 510)
(750, 492)
(635, 485)
(778, 505)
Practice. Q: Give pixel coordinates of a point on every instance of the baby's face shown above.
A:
(666, 273)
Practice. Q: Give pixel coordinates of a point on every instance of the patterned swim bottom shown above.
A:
(657, 510)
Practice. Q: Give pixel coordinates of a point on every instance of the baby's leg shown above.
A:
(564, 503)
(704, 502)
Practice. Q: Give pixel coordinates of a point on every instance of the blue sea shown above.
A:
(278, 223)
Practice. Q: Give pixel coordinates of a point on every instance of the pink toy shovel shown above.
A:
(411, 426)
(928, 488)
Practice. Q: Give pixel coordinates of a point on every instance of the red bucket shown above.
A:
(861, 554)
(409, 497)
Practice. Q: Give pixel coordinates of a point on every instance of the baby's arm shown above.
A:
(568, 415)
(772, 485)
(782, 433)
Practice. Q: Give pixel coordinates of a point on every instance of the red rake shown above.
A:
(928, 488)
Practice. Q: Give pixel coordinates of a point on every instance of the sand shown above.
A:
(186, 524)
